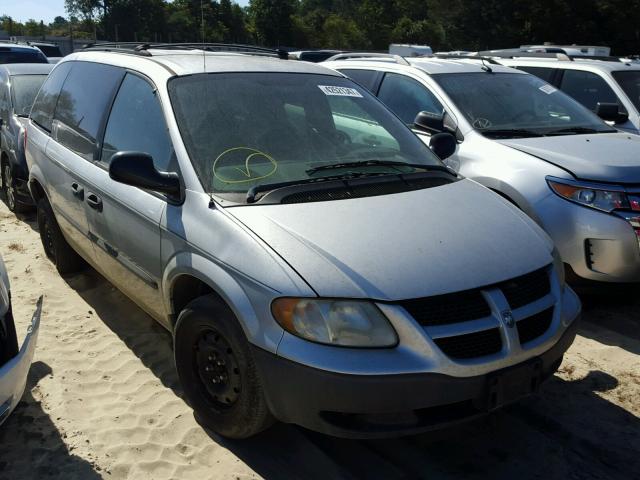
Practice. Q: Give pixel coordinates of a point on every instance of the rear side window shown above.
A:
(11, 55)
(45, 102)
(587, 88)
(366, 78)
(406, 97)
(25, 88)
(82, 106)
(137, 124)
(545, 74)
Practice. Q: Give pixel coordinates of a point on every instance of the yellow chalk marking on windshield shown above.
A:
(246, 171)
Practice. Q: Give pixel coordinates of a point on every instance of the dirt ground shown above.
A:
(103, 401)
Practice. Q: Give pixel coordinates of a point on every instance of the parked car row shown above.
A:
(316, 261)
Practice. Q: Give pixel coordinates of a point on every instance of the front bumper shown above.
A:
(374, 406)
(598, 246)
(13, 374)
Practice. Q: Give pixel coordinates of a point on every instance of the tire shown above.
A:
(217, 370)
(55, 246)
(8, 339)
(9, 190)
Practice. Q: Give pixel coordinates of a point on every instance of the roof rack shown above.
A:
(346, 56)
(138, 48)
(451, 56)
(552, 56)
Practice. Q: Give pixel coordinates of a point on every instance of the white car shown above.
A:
(576, 176)
(14, 362)
(607, 81)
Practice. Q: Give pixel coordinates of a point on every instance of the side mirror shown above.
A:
(430, 122)
(443, 145)
(610, 112)
(137, 169)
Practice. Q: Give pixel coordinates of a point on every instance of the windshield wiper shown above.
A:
(376, 163)
(578, 130)
(511, 132)
(266, 187)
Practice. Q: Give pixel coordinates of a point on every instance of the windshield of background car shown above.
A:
(24, 89)
(244, 129)
(498, 102)
(629, 81)
(8, 55)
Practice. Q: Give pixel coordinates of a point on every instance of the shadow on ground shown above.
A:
(566, 431)
(52, 458)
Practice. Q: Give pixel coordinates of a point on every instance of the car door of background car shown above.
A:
(6, 142)
(124, 220)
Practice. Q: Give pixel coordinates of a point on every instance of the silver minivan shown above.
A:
(315, 262)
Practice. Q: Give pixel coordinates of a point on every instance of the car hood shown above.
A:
(602, 157)
(407, 245)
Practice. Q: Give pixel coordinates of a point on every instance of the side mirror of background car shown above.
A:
(610, 112)
(443, 145)
(137, 169)
(429, 122)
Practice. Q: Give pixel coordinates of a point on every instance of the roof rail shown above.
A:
(451, 56)
(138, 48)
(346, 56)
(512, 54)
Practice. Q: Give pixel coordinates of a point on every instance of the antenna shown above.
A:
(204, 55)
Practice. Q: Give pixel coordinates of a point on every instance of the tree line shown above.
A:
(351, 24)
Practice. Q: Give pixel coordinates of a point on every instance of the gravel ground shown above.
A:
(103, 401)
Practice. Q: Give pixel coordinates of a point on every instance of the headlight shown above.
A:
(600, 197)
(558, 264)
(346, 323)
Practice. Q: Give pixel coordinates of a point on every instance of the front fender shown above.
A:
(249, 300)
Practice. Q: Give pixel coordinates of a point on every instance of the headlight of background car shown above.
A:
(347, 323)
(558, 264)
(594, 196)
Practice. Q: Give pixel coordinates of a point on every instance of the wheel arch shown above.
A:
(188, 276)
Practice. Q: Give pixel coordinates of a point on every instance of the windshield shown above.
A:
(629, 81)
(21, 56)
(24, 90)
(514, 104)
(248, 129)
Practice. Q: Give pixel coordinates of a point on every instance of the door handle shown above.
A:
(77, 191)
(94, 201)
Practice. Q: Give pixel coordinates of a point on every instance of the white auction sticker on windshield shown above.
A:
(548, 89)
(339, 91)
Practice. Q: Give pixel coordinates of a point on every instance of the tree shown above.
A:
(272, 22)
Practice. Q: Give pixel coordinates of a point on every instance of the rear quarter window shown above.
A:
(45, 102)
(366, 78)
(545, 74)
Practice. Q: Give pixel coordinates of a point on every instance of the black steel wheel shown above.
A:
(217, 370)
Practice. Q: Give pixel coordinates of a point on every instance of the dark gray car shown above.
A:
(19, 85)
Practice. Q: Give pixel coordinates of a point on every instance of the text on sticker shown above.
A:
(340, 91)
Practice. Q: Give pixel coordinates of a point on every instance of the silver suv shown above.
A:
(576, 176)
(315, 262)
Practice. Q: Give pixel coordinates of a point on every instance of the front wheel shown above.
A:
(217, 370)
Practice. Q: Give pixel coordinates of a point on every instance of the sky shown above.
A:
(23, 10)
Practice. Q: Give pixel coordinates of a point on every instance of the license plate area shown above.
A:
(511, 384)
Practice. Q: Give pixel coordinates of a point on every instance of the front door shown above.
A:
(124, 221)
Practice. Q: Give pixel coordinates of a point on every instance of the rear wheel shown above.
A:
(217, 370)
(55, 246)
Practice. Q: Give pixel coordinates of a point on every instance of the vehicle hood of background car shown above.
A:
(407, 245)
(602, 157)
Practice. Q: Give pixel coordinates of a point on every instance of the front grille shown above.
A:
(449, 308)
(534, 326)
(528, 288)
(471, 345)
